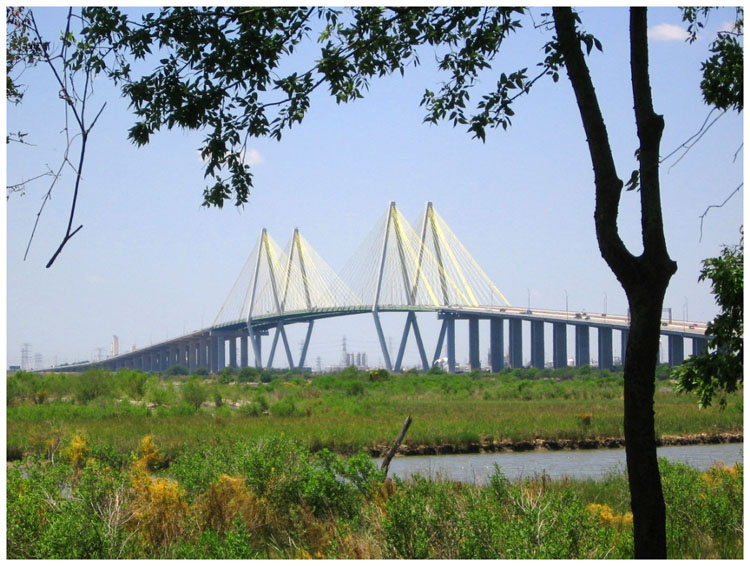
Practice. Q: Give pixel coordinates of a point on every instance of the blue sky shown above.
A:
(151, 262)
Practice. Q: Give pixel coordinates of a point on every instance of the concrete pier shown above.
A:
(559, 344)
(676, 350)
(474, 362)
(537, 343)
(515, 342)
(451, 338)
(583, 354)
(606, 357)
(497, 346)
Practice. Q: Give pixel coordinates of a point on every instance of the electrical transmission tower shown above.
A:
(26, 356)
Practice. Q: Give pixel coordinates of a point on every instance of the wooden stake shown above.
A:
(394, 448)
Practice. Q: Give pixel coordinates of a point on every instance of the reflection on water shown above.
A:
(478, 468)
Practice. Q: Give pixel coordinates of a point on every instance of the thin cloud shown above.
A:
(253, 157)
(667, 32)
(729, 26)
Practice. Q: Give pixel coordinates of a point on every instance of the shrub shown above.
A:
(77, 451)
(224, 500)
(285, 408)
(93, 384)
(247, 374)
(157, 394)
(132, 383)
(193, 393)
(201, 371)
(158, 509)
(177, 370)
(227, 374)
(378, 375)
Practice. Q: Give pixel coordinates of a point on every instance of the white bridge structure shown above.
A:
(399, 267)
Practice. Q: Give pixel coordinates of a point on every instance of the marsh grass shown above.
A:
(345, 412)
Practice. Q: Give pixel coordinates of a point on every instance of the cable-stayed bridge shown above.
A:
(399, 267)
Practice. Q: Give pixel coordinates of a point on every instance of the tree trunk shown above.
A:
(646, 497)
(644, 278)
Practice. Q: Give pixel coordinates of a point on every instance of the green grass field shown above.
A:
(346, 412)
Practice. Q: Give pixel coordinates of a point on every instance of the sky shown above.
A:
(151, 263)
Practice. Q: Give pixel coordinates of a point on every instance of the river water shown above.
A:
(477, 468)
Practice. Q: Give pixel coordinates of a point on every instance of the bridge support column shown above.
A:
(624, 333)
(559, 344)
(201, 359)
(243, 351)
(474, 361)
(583, 354)
(257, 351)
(676, 350)
(605, 348)
(381, 338)
(515, 342)
(411, 322)
(451, 336)
(213, 346)
(497, 347)
(303, 354)
(233, 351)
(221, 354)
(700, 345)
(537, 343)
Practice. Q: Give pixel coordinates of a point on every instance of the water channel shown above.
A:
(477, 468)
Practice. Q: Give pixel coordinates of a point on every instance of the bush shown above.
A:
(201, 371)
(247, 374)
(177, 370)
(193, 393)
(227, 374)
(378, 375)
(286, 408)
(266, 377)
(132, 383)
(93, 384)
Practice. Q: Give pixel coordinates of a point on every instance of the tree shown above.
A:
(21, 50)
(719, 368)
(218, 68)
(722, 84)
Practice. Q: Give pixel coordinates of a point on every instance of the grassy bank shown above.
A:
(275, 499)
(346, 412)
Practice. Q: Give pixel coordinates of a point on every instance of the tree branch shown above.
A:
(71, 103)
(695, 138)
(709, 207)
(650, 127)
(608, 184)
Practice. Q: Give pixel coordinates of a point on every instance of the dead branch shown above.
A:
(76, 104)
(709, 207)
(394, 448)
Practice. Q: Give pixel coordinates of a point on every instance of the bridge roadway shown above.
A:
(217, 347)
